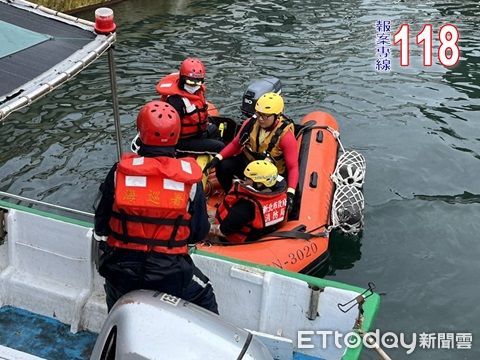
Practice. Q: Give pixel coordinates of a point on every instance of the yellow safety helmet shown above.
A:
(270, 103)
(262, 171)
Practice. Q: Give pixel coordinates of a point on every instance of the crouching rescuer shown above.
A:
(253, 206)
(152, 206)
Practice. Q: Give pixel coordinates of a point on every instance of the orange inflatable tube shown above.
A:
(301, 243)
(212, 109)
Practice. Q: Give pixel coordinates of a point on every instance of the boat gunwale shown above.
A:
(8, 205)
(370, 307)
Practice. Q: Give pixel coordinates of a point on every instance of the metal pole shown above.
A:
(113, 86)
(313, 306)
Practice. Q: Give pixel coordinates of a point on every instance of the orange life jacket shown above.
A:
(150, 209)
(195, 120)
(270, 209)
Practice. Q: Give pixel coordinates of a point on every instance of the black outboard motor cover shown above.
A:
(256, 89)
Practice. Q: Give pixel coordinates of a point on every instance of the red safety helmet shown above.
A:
(192, 68)
(158, 124)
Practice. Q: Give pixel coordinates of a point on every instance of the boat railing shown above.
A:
(29, 201)
(65, 70)
(51, 79)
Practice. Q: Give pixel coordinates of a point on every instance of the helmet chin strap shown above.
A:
(135, 144)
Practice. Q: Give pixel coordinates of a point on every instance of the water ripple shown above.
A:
(322, 51)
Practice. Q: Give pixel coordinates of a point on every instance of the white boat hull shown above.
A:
(46, 267)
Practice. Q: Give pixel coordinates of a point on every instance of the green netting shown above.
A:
(14, 38)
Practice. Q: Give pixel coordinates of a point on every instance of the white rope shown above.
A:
(371, 341)
(336, 135)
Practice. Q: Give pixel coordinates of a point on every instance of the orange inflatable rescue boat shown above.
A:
(301, 243)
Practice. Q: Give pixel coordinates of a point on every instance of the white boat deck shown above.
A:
(46, 268)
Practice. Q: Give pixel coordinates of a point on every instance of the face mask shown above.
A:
(191, 89)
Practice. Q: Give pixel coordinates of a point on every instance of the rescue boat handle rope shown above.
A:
(335, 133)
(281, 235)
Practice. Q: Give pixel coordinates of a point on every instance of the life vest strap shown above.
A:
(262, 156)
(295, 234)
(200, 123)
(276, 137)
(148, 241)
(148, 220)
(244, 135)
(123, 220)
(176, 225)
(188, 105)
(255, 155)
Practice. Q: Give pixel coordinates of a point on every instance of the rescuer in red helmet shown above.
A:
(152, 206)
(185, 91)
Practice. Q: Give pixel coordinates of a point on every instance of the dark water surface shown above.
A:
(418, 128)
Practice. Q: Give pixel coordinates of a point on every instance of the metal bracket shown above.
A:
(358, 300)
(312, 312)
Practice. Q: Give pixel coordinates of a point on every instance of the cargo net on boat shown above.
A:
(348, 202)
